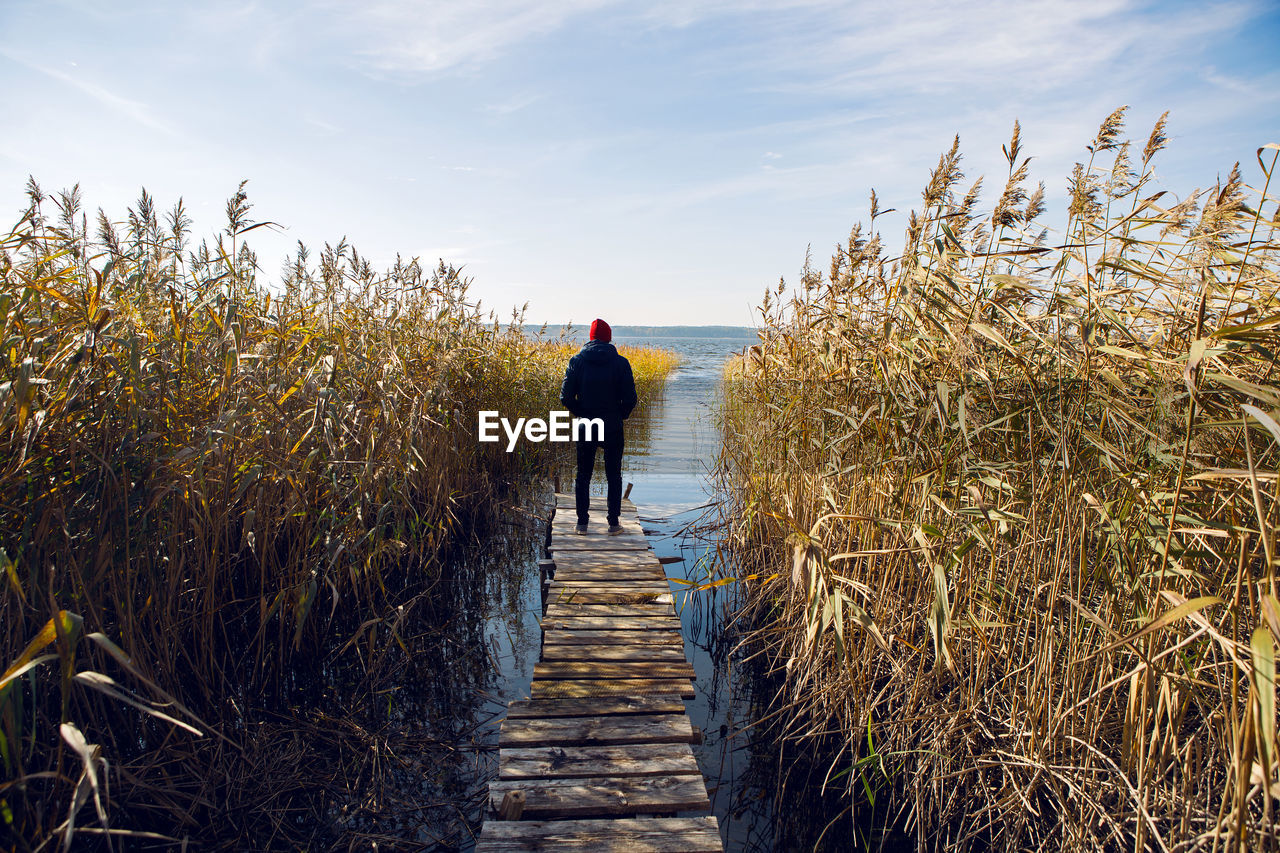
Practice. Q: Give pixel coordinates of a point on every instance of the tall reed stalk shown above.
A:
(211, 490)
(1009, 500)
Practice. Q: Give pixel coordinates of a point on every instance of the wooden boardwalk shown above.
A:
(599, 758)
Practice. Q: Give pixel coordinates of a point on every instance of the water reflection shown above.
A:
(393, 741)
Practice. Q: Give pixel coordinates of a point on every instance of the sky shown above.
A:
(649, 163)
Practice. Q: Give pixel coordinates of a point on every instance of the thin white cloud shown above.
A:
(134, 110)
(327, 128)
(513, 105)
(996, 49)
(407, 37)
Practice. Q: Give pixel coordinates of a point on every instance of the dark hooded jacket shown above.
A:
(598, 384)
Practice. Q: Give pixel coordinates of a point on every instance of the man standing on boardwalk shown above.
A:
(598, 384)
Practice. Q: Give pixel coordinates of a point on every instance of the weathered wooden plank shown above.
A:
(633, 636)
(626, 564)
(631, 560)
(596, 731)
(603, 581)
(567, 500)
(583, 595)
(577, 798)
(592, 577)
(597, 535)
(566, 521)
(634, 592)
(598, 706)
(610, 687)
(597, 527)
(558, 652)
(598, 543)
(611, 623)
(662, 604)
(584, 762)
(579, 669)
(605, 584)
(621, 570)
(589, 559)
(597, 509)
(651, 574)
(598, 531)
(561, 610)
(629, 568)
(622, 835)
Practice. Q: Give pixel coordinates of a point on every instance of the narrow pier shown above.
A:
(599, 758)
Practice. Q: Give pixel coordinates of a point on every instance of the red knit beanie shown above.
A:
(600, 331)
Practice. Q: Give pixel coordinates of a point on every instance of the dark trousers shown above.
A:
(612, 445)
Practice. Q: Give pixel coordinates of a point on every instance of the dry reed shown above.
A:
(213, 496)
(1010, 503)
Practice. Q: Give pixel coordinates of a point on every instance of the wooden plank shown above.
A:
(633, 636)
(598, 507)
(567, 500)
(587, 559)
(584, 762)
(561, 610)
(611, 592)
(568, 526)
(603, 581)
(624, 567)
(615, 575)
(662, 605)
(598, 543)
(593, 577)
(610, 623)
(558, 799)
(579, 669)
(610, 687)
(597, 536)
(625, 564)
(596, 731)
(624, 835)
(598, 706)
(598, 532)
(586, 595)
(597, 526)
(668, 653)
(628, 562)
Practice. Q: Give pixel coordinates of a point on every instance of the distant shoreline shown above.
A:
(746, 333)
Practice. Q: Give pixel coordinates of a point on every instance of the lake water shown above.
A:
(668, 458)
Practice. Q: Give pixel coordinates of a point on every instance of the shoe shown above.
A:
(580, 530)
(615, 529)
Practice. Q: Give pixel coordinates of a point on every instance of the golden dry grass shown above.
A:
(1010, 499)
(210, 491)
